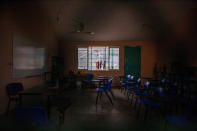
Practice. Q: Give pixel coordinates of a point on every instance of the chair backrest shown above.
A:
(147, 84)
(89, 77)
(30, 115)
(191, 111)
(138, 84)
(109, 84)
(159, 92)
(171, 92)
(130, 77)
(173, 89)
(163, 82)
(14, 88)
(175, 84)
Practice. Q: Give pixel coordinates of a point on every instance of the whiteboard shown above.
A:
(29, 58)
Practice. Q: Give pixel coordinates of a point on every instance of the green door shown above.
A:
(132, 61)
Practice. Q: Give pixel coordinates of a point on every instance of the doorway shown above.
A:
(132, 61)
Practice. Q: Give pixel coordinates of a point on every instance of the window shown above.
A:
(82, 58)
(114, 58)
(98, 58)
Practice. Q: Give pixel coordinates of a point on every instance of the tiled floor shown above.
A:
(85, 115)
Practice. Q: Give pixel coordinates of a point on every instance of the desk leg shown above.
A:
(110, 90)
(109, 97)
(48, 107)
(20, 100)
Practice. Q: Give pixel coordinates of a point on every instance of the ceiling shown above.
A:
(114, 20)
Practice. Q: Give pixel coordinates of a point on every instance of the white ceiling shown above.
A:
(114, 20)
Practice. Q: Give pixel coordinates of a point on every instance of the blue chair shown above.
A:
(88, 79)
(172, 91)
(133, 86)
(141, 92)
(184, 94)
(32, 117)
(124, 82)
(163, 82)
(159, 83)
(104, 88)
(185, 121)
(155, 100)
(172, 97)
(12, 90)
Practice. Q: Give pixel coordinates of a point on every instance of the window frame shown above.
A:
(119, 58)
(87, 46)
(78, 59)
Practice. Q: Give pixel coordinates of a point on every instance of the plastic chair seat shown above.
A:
(32, 116)
(124, 82)
(101, 90)
(131, 88)
(180, 121)
(150, 102)
(140, 92)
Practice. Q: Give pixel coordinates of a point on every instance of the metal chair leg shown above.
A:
(146, 113)
(135, 102)
(111, 92)
(109, 98)
(61, 116)
(165, 125)
(101, 95)
(8, 107)
(132, 98)
(128, 94)
(97, 97)
(125, 90)
(138, 112)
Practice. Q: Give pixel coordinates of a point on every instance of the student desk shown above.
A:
(42, 90)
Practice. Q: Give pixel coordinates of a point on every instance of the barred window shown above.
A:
(114, 58)
(98, 58)
(82, 58)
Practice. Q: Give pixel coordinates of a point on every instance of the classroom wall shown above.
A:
(148, 57)
(179, 44)
(175, 43)
(28, 21)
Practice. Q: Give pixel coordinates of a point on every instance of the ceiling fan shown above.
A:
(80, 28)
